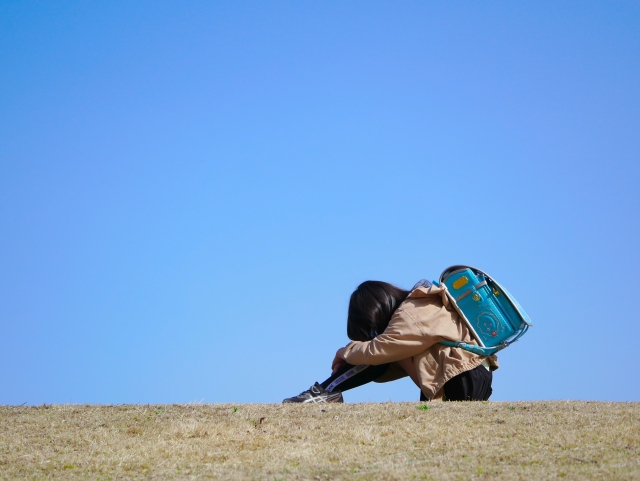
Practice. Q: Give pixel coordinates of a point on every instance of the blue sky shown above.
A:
(189, 193)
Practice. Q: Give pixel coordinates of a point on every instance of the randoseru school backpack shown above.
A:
(495, 318)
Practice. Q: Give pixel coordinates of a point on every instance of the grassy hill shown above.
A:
(403, 441)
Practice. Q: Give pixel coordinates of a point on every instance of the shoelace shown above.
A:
(312, 390)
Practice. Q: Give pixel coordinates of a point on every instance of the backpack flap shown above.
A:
(492, 315)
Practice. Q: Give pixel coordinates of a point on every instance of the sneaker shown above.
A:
(316, 394)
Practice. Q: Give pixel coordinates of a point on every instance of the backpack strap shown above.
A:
(481, 351)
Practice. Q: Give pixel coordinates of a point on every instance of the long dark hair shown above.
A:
(370, 309)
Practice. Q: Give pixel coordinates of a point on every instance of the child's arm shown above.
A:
(403, 338)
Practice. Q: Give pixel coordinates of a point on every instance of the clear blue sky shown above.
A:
(190, 191)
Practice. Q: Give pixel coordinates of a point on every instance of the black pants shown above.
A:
(473, 385)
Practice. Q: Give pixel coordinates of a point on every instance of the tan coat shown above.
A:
(422, 320)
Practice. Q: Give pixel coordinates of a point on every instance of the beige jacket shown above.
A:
(422, 320)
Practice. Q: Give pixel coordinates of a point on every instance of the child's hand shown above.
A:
(338, 360)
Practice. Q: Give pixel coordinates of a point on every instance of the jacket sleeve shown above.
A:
(401, 339)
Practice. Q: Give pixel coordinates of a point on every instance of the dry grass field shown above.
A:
(390, 441)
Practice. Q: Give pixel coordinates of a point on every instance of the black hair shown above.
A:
(370, 309)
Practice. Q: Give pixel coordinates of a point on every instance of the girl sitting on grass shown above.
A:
(396, 333)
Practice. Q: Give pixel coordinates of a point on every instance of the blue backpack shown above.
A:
(494, 317)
